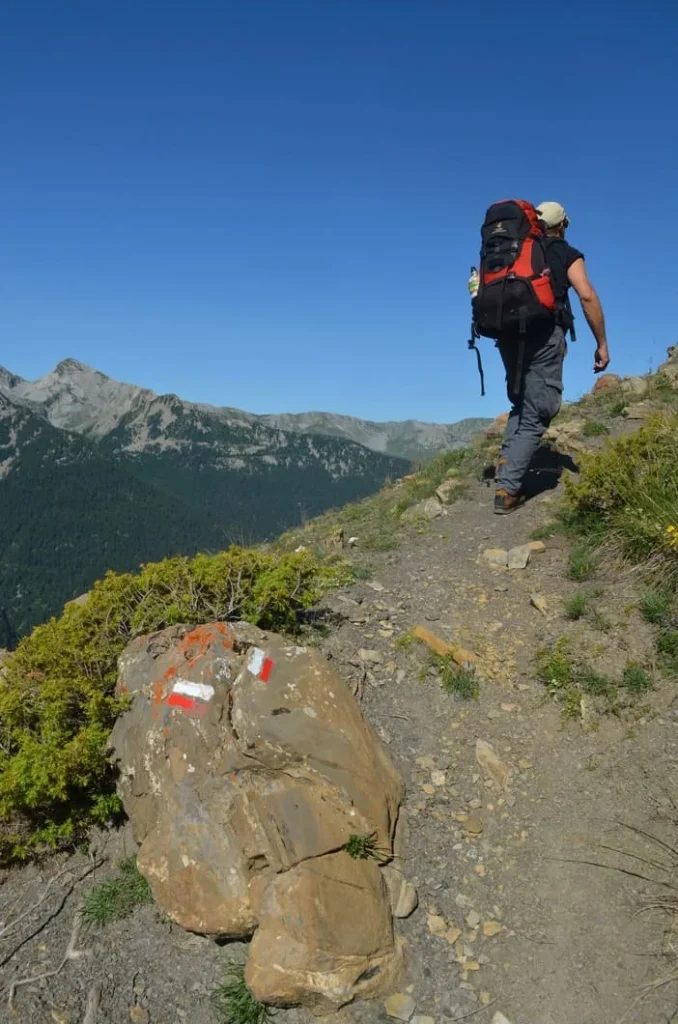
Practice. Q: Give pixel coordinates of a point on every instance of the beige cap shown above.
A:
(552, 214)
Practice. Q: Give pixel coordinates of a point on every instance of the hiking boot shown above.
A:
(505, 502)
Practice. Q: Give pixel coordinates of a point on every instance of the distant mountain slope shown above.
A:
(406, 439)
(68, 513)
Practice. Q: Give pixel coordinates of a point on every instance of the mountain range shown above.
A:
(96, 474)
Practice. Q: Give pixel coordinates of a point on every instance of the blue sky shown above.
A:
(274, 204)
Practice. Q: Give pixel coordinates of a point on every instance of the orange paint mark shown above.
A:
(170, 673)
(198, 641)
(158, 691)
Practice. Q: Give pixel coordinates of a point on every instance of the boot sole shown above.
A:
(499, 511)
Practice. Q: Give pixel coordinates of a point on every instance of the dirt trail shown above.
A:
(572, 949)
(566, 945)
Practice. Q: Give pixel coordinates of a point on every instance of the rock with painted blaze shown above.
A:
(245, 765)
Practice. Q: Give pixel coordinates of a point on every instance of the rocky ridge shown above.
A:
(78, 398)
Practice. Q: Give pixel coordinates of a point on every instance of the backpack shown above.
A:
(515, 290)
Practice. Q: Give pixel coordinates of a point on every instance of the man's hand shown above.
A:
(602, 359)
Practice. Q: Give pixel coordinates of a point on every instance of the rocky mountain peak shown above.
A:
(9, 380)
(71, 366)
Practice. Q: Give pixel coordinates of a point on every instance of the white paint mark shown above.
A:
(184, 860)
(203, 691)
(256, 661)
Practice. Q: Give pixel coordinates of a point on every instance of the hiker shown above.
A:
(522, 302)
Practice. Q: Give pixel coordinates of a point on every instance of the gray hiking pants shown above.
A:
(534, 384)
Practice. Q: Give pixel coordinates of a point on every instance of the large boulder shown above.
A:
(637, 386)
(670, 367)
(245, 766)
(607, 381)
(497, 426)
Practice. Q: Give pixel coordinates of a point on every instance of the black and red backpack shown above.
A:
(515, 290)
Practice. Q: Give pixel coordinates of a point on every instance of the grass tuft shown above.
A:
(117, 897)
(582, 563)
(546, 530)
(455, 679)
(636, 680)
(655, 606)
(599, 621)
(667, 645)
(575, 606)
(234, 1003)
(594, 429)
(618, 408)
(365, 848)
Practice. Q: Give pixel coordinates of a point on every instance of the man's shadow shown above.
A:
(545, 471)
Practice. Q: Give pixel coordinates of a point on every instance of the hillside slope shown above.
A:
(540, 813)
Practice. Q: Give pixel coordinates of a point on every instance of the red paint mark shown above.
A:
(265, 673)
(177, 700)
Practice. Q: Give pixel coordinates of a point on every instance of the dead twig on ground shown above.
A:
(6, 928)
(72, 953)
(93, 1001)
(359, 686)
(50, 917)
(472, 1013)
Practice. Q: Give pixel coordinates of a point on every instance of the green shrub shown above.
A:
(575, 606)
(629, 493)
(57, 703)
(117, 897)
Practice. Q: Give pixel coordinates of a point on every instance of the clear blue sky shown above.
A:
(274, 204)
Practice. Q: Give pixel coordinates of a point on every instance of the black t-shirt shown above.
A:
(560, 256)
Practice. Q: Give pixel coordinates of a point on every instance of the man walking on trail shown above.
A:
(533, 352)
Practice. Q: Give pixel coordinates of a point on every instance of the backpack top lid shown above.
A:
(511, 218)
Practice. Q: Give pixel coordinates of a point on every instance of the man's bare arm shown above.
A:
(593, 311)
